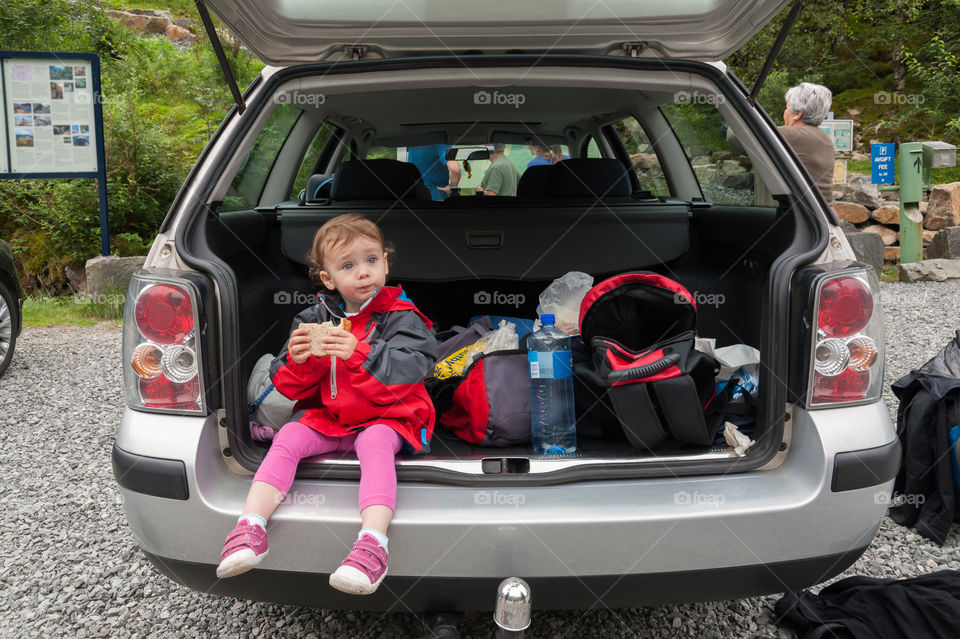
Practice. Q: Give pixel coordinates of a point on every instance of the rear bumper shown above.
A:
(652, 541)
(430, 594)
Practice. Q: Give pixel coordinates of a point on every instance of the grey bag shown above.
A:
(265, 403)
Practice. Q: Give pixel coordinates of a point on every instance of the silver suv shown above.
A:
(621, 91)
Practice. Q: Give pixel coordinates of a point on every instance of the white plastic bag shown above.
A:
(738, 361)
(503, 338)
(563, 298)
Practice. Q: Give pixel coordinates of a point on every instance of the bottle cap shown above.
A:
(548, 318)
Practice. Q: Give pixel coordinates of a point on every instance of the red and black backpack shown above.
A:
(639, 372)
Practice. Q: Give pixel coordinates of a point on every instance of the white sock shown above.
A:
(254, 520)
(379, 536)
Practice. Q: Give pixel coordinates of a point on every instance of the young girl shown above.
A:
(366, 395)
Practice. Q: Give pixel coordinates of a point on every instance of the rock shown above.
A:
(859, 190)
(891, 253)
(930, 271)
(186, 23)
(890, 196)
(943, 207)
(889, 236)
(706, 174)
(868, 247)
(848, 228)
(156, 25)
(720, 156)
(698, 150)
(945, 244)
(700, 160)
(851, 212)
(111, 274)
(737, 180)
(730, 167)
(130, 20)
(155, 13)
(179, 34)
(646, 161)
(887, 214)
(837, 195)
(928, 236)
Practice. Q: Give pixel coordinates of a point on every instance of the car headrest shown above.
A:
(533, 182)
(589, 177)
(377, 180)
(318, 186)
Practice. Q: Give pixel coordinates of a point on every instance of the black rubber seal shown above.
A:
(868, 467)
(150, 475)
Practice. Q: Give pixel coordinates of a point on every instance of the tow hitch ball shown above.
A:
(512, 611)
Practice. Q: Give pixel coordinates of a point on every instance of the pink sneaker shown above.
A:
(363, 569)
(245, 548)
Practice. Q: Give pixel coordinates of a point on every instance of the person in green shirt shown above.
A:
(501, 177)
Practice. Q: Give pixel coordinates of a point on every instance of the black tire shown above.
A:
(8, 324)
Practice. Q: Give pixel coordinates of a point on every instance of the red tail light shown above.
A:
(164, 314)
(160, 392)
(846, 305)
(847, 362)
(162, 369)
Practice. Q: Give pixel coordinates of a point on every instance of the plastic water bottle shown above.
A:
(551, 389)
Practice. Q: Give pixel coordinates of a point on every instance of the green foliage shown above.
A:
(892, 61)
(161, 104)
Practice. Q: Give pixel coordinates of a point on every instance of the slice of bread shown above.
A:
(319, 331)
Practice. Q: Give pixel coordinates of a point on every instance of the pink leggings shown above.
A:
(376, 447)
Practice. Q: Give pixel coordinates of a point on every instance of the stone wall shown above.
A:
(862, 207)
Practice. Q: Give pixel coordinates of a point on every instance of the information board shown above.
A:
(841, 132)
(48, 106)
(51, 121)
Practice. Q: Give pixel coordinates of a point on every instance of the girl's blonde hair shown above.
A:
(339, 231)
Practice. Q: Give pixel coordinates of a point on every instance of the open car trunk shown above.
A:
(716, 252)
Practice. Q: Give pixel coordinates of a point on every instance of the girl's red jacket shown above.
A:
(382, 382)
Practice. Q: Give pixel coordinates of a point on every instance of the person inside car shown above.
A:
(501, 177)
(366, 395)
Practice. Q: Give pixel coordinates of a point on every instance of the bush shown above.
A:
(160, 105)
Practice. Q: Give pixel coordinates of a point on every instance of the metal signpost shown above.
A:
(916, 160)
(53, 121)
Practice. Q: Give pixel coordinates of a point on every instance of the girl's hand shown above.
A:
(339, 343)
(299, 345)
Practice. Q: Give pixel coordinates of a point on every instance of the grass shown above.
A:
(937, 176)
(890, 273)
(69, 310)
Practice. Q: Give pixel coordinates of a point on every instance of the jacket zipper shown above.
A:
(333, 377)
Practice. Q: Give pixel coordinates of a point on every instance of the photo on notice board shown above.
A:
(22, 107)
(61, 129)
(81, 140)
(41, 107)
(23, 120)
(80, 83)
(58, 72)
(24, 137)
(42, 120)
(68, 87)
(56, 90)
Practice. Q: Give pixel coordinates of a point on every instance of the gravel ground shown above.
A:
(71, 566)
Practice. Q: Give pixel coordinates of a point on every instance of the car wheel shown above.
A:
(8, 338)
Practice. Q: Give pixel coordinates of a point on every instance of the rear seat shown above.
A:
(377, 180)
(597, 178)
